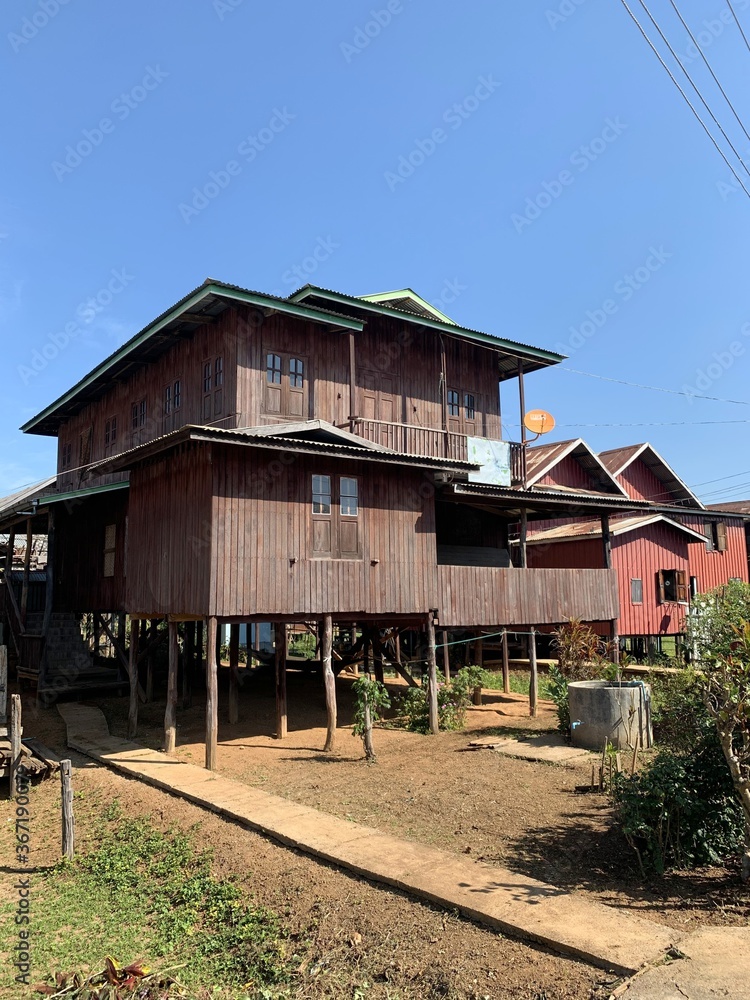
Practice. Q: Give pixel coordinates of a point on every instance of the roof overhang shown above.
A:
(510, 502)
(511, 354)
(617, 528)
(407, 300)
(260, 438)
(203, 305)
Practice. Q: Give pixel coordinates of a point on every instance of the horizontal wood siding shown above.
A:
(262, 539)
(478, 595)
(641, 554)
(169, 535)
(80, 584)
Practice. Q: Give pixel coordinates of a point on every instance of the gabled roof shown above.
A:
(581, 530)
(617, 460)
(510, 352)
(313, 430)
(408, 301)
(203, 305)
(542, 459)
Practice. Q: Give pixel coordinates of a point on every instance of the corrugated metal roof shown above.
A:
(532, 358)
(542, 459)
(203, 305)
(619, 526)
(731, 507)
(618, 459)
(19, 500)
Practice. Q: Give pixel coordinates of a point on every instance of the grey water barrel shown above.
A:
(606, 710)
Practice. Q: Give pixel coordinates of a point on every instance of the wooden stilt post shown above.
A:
(479, 650)
(615, 643)
(16, 729)
(150, 668)
(3, 684)
(189, 669)
(506, 663)
(326, 654)
(377, 652)
(366, 659)
(170, 716)
(212, 695)
(280, 645)
(446, 657)
(200, 664)
(234, 674)
(534, 678)
(133, 678)
(432, 693)
(26, 571)
(68, 823)
(522, 560)
(11, 550)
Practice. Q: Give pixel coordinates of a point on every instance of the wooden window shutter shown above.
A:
(660, 587)
(682, 586)
(721, 536)
(709, 533)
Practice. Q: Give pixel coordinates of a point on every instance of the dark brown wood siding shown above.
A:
(478, 595)
(169, 535)
(263, 562)
(80, 584)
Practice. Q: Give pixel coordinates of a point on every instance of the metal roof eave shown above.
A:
(207, 290)
(521, 351)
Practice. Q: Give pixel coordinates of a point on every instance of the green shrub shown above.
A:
(680, 811)
(715, 619)
(453, 700)
(558, 692)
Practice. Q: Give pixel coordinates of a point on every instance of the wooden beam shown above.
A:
(326, 644)
(534, 678)
(234, 674)
(124, 658)
(606, 542)
(3, 684)
(522, 407)
(479, 650)
(444, 394)
(522, 540)
(212, 695)
(26, 570)
(432, 689)
(170, 715)
(280, 648)
(16, 729)
(50, 588)
(133, 678)
(506, 663)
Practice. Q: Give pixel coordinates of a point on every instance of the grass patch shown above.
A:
(519, 682)
(143, 894)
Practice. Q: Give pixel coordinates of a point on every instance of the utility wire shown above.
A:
(737, 22)
(702, 99)
(708, 67)
(687, 100)
(657, 388)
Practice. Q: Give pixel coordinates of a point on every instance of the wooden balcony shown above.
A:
(412, 440)
(489, 596)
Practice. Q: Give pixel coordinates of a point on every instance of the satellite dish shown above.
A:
(539, 422)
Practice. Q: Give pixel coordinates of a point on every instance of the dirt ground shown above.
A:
(522, 815)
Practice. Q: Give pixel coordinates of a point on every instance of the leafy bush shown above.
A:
(558, 692)
(678, 714)
(370, 699)
(680, 810)
(453, 700)
(580, 651)
(716, 617)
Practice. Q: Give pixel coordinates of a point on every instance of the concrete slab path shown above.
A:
(521, 907)
(549, 747)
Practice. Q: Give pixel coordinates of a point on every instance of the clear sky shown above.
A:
(525, 164)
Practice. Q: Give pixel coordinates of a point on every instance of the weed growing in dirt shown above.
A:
(143, 894)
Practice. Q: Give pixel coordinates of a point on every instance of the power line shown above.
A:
(708, 67)
(692, 83)
(687, 100)
(737, 22)
(657, 388)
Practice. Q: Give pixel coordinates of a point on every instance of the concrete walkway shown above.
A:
(611, 939)
(548, 748)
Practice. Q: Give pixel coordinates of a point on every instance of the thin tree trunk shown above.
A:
(369, 750)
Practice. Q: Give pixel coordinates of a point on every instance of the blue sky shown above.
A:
(553, 188)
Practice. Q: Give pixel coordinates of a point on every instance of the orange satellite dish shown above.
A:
(539, 422)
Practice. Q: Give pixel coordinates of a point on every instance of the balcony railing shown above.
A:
(428, 441)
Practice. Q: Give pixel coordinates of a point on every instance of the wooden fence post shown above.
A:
(506, 663)
(170, 715)
(15, 740)
(432, 668)
(446, 657)
(326, 653)
(534, 678)
(281, 702)
(68, 824)
(3, 684)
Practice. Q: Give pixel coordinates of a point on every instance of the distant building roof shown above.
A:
(731, 507)
(617, 461)
(580, 530)
(18, 501)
